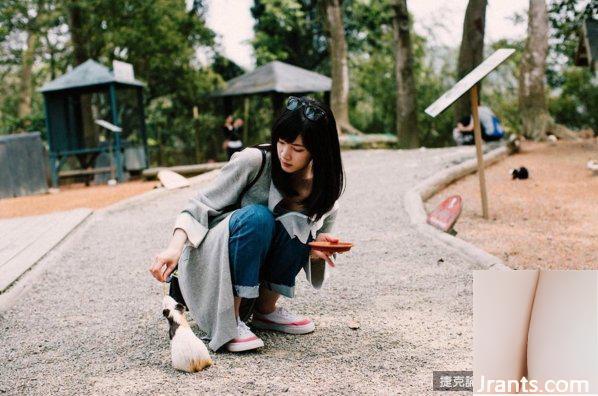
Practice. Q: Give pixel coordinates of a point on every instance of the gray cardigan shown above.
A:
(204, 271)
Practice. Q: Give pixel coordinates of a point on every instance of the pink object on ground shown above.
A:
(446, 214)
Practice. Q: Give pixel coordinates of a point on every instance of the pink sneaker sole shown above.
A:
(244, 345)
(303, 327)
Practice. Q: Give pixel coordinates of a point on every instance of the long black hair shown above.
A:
(320, 138)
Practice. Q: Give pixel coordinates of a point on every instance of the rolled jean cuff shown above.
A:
(247, 291)
(287, 291)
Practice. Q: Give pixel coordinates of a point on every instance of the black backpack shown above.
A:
(247, 305)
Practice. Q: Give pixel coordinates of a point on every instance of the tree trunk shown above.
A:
(76, 32)
(81, 52)
(471, 52)
(407, 129)
(51, 51)
(532, 99)
(333, 23)
(25, 86)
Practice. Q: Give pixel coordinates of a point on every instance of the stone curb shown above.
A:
(147, 196)
(414, 205)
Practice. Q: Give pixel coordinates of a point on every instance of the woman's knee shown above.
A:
(254, 219)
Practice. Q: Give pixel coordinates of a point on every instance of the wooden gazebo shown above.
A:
(72, 133)
(276, 79)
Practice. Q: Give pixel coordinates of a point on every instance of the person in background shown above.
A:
(232, 138)
(238, 126)
(490, 125)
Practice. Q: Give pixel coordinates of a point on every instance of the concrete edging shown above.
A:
(202, 178)
(11, 295)
(413, 201)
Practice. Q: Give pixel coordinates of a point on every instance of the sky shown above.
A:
(443, 19)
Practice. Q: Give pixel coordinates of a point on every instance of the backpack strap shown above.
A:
(263, 149)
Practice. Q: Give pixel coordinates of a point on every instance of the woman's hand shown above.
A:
(165, 263)
(321, 254)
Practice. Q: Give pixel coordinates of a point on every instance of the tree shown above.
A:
(339, 96)
(77, 18)
(471, 51)
(566, 18)
(226, 67)
(406, 106)
(23, 25)
(289, 31)
(370, 39)
(532, 97)
(159, 38)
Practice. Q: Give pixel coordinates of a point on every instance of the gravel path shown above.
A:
(92, 324)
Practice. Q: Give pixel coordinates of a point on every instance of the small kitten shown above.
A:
(187, 351)
(521, 173)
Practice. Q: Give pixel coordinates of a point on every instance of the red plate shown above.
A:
(331, 247)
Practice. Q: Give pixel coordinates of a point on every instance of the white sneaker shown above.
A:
(245, 339)
(284, 321)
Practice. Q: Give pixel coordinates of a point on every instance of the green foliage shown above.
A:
(574, 96)
(576, 103)
(226, 68)
(160, 38)
(433, 76)
(500, 88)
(373, 81)
(289, 31)
(566, 17)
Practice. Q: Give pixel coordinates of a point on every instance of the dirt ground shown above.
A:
(548, 221)
(72, 196)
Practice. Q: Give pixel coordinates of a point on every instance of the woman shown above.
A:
(257, 250)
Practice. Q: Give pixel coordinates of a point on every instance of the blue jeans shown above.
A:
(261, 252)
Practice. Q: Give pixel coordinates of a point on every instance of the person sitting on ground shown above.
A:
(490, 127)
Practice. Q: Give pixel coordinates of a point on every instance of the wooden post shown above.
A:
(478, 148)
(246, 121)
(198, 154)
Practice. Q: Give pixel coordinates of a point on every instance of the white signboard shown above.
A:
(469, 81)
(123, 71)
(108, 126)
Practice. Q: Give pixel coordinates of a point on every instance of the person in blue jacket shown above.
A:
(490, 126)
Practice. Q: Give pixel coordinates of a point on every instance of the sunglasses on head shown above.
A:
(311, 112)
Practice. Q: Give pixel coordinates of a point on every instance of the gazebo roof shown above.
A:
(86, 74)
(276, 77)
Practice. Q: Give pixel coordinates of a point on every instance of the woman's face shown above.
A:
(293, 156)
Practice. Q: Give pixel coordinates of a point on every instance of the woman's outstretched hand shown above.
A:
(321, 254)
(166, 261)
(164, 264)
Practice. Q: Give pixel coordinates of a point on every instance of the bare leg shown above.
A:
(266, 302)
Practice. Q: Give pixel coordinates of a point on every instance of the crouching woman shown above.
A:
(246, 234)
